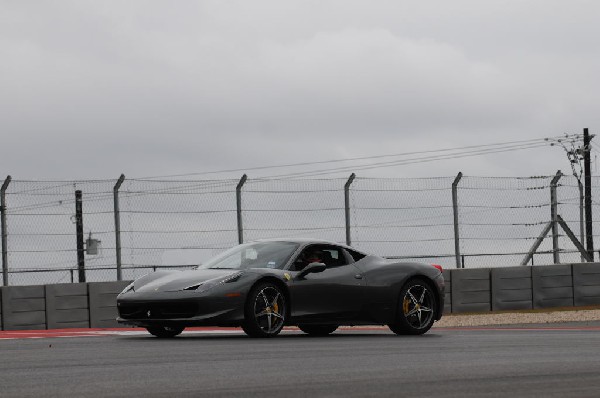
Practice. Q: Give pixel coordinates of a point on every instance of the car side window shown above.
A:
(308, 255)
(331, 256)
(356, 256)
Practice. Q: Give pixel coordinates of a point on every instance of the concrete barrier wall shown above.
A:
(103, 303)
(586, 284)
(67, 306)
(552, 286)
(23, 307)
(467, 290)
(512, 289)
(73, 305)
(448, 292)
(471, 290)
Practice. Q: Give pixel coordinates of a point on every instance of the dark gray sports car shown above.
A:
(264, 285)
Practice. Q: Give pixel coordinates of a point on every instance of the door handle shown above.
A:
(358, 276)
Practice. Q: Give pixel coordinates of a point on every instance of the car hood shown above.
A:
(179, 280)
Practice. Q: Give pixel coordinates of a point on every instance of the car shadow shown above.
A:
(283, 336)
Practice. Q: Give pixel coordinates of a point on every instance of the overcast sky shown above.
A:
(93, 89)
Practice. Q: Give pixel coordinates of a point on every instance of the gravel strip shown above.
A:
(529, 317)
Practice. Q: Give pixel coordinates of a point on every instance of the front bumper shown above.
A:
(181, 308)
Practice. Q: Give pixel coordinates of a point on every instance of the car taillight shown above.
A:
(438, 267)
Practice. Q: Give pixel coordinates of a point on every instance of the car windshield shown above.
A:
(253, 255)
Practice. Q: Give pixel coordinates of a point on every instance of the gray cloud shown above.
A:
(93, 89)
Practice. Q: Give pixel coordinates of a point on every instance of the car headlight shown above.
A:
(211, 283)
(129, 288)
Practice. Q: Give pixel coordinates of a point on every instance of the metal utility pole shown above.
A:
(347, 207)
(118, 225)
(455, 212)
(588, 193)
(79, 231)
(3, 228)
(238, 196)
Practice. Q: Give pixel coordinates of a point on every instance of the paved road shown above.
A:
(530, 361)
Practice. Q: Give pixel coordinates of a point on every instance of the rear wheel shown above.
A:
(318, 330)
(265, 311)
(165, 331)
(417, 308)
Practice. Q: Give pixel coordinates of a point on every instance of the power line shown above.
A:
(467, 151)
(400, 162)
(534, 140)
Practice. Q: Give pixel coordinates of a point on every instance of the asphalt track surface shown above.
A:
(527, 361)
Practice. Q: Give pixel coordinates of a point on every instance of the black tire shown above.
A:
(318, 330)
(165, 332)
(265, 311)
(417, 307)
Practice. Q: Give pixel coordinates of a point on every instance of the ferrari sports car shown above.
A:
(265, 285)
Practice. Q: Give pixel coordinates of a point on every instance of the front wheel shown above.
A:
(165, 331)
(318, 330)
(417, 308)
(265, 311)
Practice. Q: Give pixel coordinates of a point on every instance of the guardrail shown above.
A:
(93, 304)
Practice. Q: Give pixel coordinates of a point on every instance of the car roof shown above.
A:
(308, 241)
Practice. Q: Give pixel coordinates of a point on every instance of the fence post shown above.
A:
(455, 211)
(581, 220)
(238, 196)
(347, 207)
(79, 232)
(118, 225)
(3, 227)
(553, 216)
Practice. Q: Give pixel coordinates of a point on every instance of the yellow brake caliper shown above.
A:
(276, 308)
(405, 305)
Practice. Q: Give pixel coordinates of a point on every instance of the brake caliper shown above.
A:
(405, 305)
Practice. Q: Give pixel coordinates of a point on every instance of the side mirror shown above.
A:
(312, 268)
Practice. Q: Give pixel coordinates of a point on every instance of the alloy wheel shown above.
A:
(417, 306)
(269, 310)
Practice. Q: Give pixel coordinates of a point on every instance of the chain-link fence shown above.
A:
(492, 222)
(501, 218)
(40, 229)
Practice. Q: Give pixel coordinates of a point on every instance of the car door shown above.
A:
(333, 294)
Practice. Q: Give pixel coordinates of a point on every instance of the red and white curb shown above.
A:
(99, 332)
(103, 332)
(53, 333)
